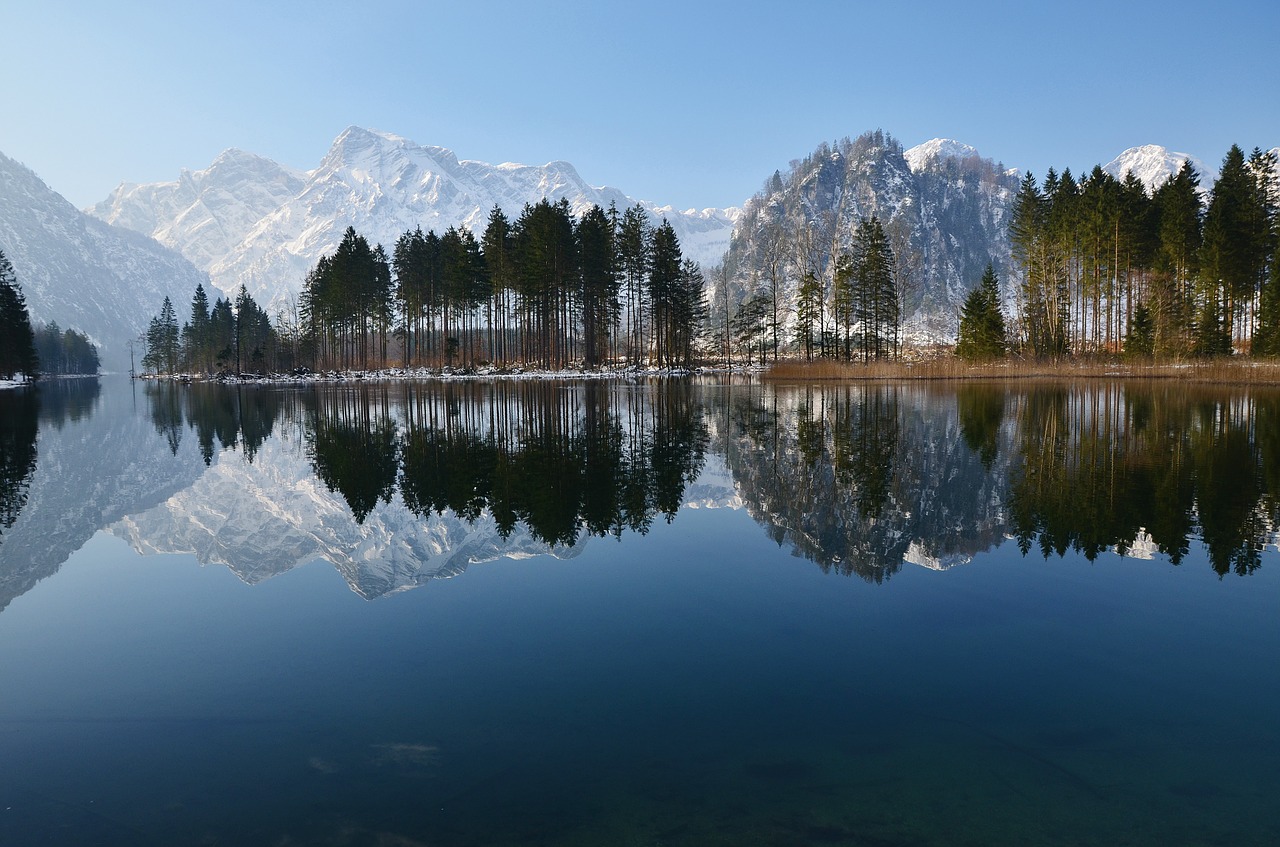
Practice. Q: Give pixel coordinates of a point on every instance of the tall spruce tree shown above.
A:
(982, 330)
(1177, 260)
(1228, 262)
(875, 292)
(199, 354)
(599, 283)
(17, 338)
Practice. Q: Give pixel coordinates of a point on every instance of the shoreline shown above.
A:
(1224, 371)
(446, 374)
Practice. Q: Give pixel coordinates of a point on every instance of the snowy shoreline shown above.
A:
(453, 375)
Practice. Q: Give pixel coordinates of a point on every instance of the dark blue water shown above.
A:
(712, 679)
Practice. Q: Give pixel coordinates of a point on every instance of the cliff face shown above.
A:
(944, 208)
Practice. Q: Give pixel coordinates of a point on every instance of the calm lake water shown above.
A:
(667, 613)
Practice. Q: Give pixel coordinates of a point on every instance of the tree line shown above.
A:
(224, 337)
(1109, 266)
(547, 289)
(28, 351)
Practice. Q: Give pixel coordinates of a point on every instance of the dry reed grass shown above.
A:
(1222, 371)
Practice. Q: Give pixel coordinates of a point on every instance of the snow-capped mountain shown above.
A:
(1153, 164)
(945, 211)
(106, 281)
(249, 221)
(938, 148)
(205, 214)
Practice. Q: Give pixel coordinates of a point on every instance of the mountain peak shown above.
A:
(1153, 164)
(938, 148)
(262, 228)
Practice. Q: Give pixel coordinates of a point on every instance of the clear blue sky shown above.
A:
(689, 103)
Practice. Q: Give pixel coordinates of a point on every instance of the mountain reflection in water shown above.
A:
(399, 483)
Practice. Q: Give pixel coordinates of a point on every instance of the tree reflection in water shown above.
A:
(859, 478)
(19, 412)
(1104, 466)
(862, 478)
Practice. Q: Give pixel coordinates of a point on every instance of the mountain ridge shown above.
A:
(382, 184)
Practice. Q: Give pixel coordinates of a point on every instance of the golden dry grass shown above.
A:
(1222, 371)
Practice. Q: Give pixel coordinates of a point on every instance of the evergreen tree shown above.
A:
(222, 334)
(17, 338)
(875, 291)
(633, 261)
(600, 304)
(665, 295)
(163, 350)
(1177, 260)
(1266, 340)
(808, 312)
(496, 243)
(67, 352)
(1140, 339)
(199, 354)
(982, 331)
(1263, 225)
(1229, 261)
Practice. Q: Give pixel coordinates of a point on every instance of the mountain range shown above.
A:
(249, 221)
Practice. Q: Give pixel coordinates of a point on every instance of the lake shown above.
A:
(668, 612)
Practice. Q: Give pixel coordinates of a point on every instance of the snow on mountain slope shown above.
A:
(248, 221)
(104, 280)
(938, 148)
(1153, 164)
(946, 218)
(204, 214)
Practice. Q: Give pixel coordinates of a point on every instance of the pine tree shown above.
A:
(808, 311)
(633, 246)
(665, 294)
(197, 341)
(17, 338)
(1140, 339)
(1176, 261)
(162, 339)
(1229, 262)
(1263, 226)
(599, 283)
(875, 292)
(1266, 340)
(982, 330)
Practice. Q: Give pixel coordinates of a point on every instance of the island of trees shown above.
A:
(546, 289)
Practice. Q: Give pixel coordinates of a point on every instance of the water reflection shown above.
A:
(862, 478)
(398, 484)
(18, 413)
(1114, 467)
(23, 411)
(598, 459)
(221, 417)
